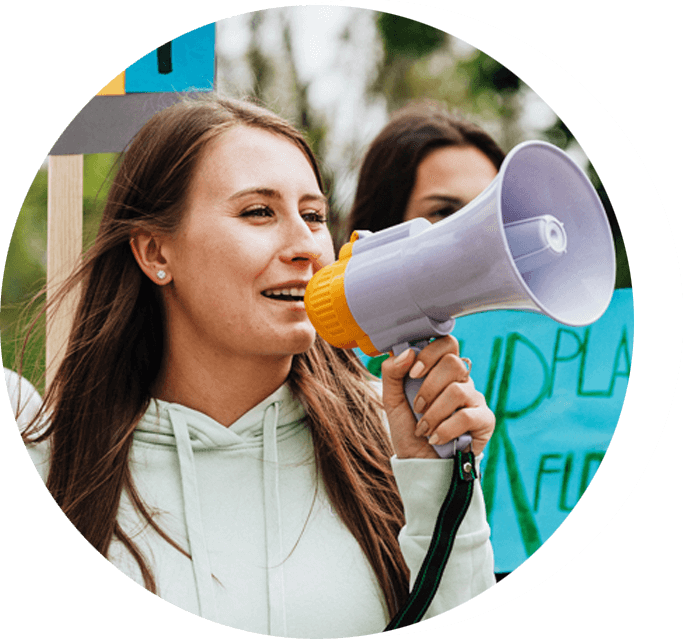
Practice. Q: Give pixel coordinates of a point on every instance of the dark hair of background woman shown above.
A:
(389, 169)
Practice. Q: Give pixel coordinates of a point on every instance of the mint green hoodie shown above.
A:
(270, 555)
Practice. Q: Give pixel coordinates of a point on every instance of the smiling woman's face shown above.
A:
(253, 233)
(447, 179)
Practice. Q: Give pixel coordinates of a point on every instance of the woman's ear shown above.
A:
(148, 253)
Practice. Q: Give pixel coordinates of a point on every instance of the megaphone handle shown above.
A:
(411, 387)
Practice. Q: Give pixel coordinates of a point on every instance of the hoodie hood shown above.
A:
(189, 431)
(156, 425)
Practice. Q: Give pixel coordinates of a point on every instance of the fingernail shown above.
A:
(419, 405)
(402, 357)
(421, 428)
(416, 370)
(434, 439)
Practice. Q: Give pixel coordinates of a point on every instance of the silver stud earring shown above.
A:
(161, 274)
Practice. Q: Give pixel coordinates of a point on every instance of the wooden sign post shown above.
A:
(106, 125)
(64, 245)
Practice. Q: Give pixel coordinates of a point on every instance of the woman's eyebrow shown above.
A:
(257, 190)
(317, 197)
(277, 195)
(455, 201)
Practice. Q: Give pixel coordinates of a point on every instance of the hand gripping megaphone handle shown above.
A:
(411, 387)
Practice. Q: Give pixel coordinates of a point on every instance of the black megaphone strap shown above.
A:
(448, 521)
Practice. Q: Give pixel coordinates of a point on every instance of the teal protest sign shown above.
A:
(557, 392)
(184, 64)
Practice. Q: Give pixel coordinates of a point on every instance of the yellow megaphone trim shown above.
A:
(328, 310)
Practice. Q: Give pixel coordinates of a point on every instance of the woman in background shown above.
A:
(425, 162)
(202, 437)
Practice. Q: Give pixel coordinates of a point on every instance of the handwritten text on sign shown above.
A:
(557, 392)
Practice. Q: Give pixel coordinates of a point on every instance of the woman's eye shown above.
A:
(257, 211)
(310, 216)
(315, 217)
(444, 212)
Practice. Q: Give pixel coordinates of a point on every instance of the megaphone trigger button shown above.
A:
(468, 362)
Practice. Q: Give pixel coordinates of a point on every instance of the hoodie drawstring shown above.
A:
(277, 623)
(273, 522)
(272, 512)
(193, 518)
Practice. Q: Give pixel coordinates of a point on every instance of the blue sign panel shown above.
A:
(557, 392)
(184, 64)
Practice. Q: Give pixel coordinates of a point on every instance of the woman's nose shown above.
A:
(302, 247)
(303, 258)
(302, 254)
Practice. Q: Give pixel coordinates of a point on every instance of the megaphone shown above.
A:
(537, 239)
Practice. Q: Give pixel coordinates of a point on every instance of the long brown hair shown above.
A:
(115, 349)
(389, 168)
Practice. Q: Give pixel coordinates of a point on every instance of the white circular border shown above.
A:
(658, 303)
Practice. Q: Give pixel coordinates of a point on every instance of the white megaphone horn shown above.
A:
(536, 239)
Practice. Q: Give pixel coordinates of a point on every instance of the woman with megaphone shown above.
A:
(202, 437)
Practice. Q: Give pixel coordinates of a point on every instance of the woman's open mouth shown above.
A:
(294, 294)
